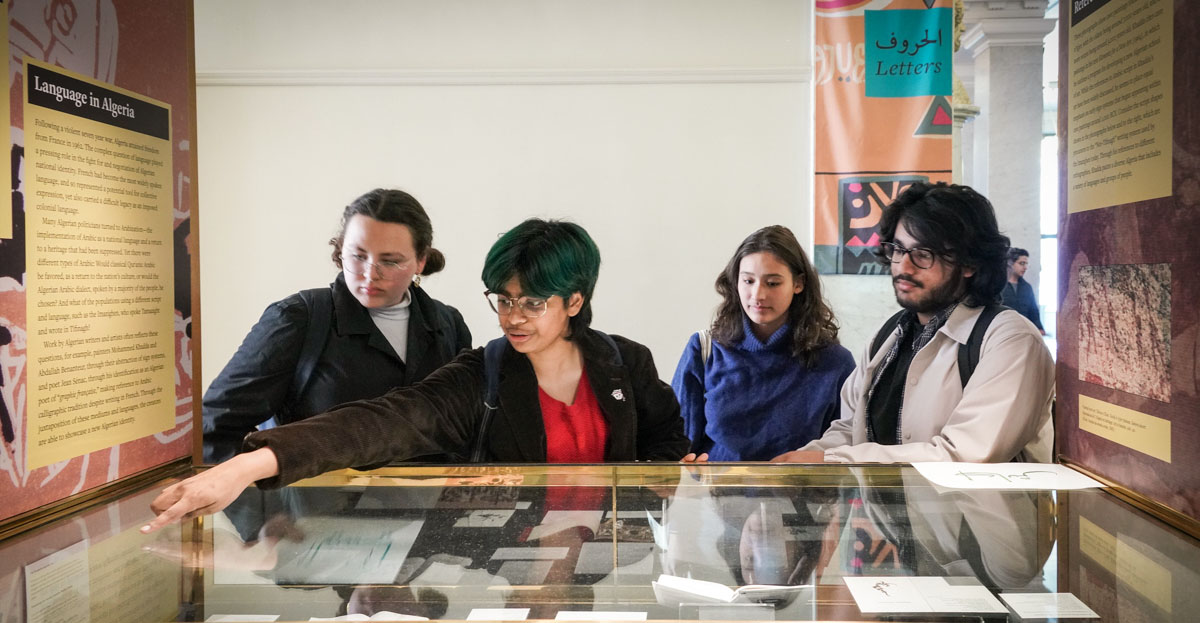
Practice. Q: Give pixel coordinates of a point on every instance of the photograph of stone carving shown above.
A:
(1125, 328)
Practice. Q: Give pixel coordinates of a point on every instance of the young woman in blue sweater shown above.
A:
(774, 368)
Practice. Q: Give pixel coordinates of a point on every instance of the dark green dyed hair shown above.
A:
(549, 257)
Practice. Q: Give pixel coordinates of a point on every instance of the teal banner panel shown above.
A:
(909, 52)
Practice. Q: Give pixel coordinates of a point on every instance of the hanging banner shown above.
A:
(909, 53)
(882, 122)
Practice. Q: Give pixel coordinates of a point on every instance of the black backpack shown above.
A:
(319, 304)
(968, 353)
(491, 398)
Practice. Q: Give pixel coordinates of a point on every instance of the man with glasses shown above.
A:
(906, 400)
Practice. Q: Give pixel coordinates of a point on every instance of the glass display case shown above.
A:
(611, 542)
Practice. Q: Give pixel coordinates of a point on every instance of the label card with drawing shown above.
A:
(898, 595)
(1039, 476)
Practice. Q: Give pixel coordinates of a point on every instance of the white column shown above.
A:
(964, 111)
(1005, 39)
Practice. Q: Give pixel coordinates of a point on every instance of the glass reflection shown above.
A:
(440, 546)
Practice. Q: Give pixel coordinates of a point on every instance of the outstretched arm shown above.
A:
(211, 490)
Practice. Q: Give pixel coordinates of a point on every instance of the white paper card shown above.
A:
(632, 558)
(382, 615)
(598, 615)
(344, 550)
(896, 595)
(530, 553)
(441, 573)
(670, 590)
(557, 521)
(963, 599)
(875, 594)
(638, 514)
(523, 572)
(498, 614)
(1039, 476)
(1048, 606)
(242, 618)
(659, 532)
(57, 586)
(485, 519)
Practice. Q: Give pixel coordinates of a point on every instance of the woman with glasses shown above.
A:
(564, 393)
(374, 328)
(765, 378)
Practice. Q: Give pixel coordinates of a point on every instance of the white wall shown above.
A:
(669, 129)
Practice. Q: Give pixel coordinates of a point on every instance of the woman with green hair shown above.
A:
(551, 390)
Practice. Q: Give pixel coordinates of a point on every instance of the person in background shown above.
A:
(907, 401)
(565, 393)
(765, 378)
(1017, 292)
(381, 329)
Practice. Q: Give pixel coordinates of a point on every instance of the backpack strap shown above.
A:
(319, 303)
(889, 326)
(968, 353)
(493, 352)
(705, 343)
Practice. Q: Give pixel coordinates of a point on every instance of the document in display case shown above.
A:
(735, 542)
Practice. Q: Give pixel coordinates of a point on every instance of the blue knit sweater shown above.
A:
(753, 401)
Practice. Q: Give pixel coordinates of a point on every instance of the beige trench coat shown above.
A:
(1003, 414)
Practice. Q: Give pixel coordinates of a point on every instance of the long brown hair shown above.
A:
(812, 322)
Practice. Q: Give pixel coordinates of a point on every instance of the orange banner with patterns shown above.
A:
(868, 149)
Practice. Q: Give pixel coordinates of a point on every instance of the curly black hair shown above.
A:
(958, 224)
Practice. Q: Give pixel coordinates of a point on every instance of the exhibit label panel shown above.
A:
(100, 278)
(96, 296)
(1119, 113)
(1129, 266)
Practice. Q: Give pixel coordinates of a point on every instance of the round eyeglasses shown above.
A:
(360, 265)
(920, 256)
(531, 307)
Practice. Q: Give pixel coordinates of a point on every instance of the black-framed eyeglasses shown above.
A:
(530, 306)
(921, 257)
(360, 265)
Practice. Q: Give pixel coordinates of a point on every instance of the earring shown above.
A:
(417, 280)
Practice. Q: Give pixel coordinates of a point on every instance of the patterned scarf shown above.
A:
(908, 321)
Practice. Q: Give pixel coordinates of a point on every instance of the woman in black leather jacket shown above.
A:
(373, 329)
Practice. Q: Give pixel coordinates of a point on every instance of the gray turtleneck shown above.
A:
(393, 323)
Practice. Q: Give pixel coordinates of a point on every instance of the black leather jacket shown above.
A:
(357, 362)
(441, 415)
